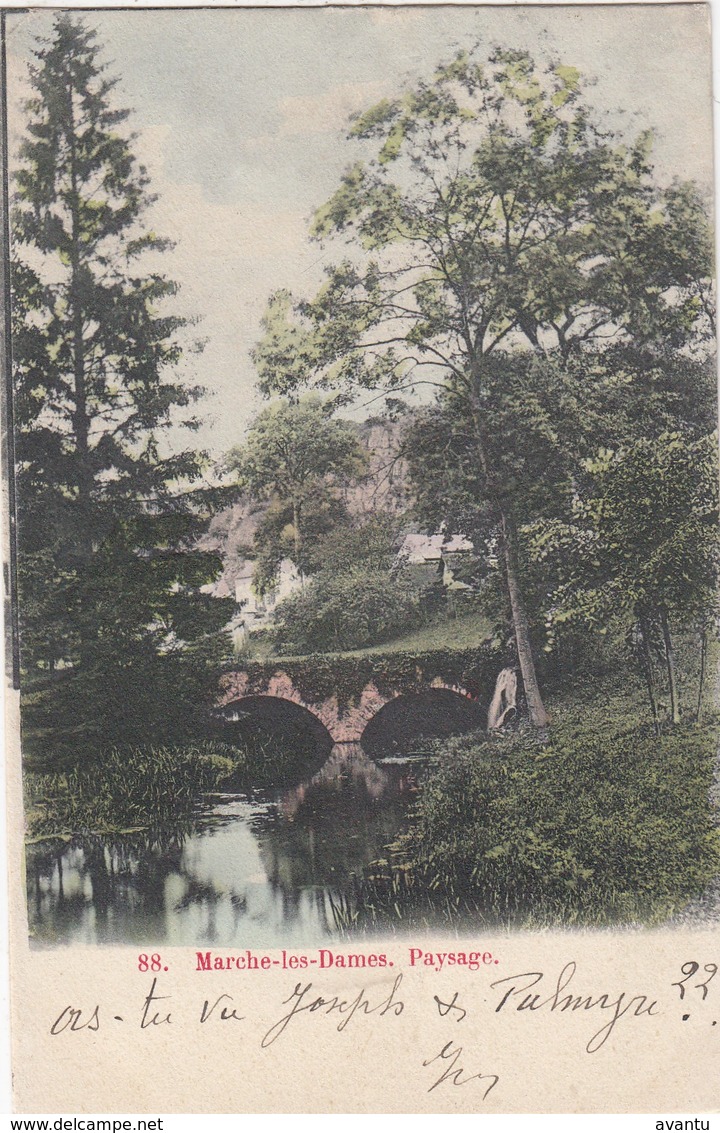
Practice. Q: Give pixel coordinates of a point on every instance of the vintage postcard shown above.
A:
(361, 559)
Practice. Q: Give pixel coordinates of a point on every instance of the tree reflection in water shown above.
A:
(253, 869)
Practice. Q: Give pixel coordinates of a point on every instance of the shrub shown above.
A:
(349, 610)
(606, 823)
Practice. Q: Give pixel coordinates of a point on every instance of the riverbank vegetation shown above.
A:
(151, 787)
(127, 790)
(605, 823)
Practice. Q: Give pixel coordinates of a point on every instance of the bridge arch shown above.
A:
(436, 711)
(262, 718)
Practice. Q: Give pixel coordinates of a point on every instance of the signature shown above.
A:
(454, 1073)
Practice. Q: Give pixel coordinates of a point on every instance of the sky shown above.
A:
(242, 120)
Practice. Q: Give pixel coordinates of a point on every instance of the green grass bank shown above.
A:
(605, 823)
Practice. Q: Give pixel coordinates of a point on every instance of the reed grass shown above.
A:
(140, 788)
(127, 789)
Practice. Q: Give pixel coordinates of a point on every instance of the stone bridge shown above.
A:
(346, 693)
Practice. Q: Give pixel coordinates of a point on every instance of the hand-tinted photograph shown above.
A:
(364, 465)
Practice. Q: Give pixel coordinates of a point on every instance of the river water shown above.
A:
(258, 869)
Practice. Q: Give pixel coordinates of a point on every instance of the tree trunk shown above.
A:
(81, 420)
(703, 659)
(297, 540)
(538, 716)
(670, 660)
(647, 668)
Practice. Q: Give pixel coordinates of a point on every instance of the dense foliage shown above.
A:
(606, 823)
(297, 456)
(357, 596)
(642, 541)
(132, 789)
(350, 610)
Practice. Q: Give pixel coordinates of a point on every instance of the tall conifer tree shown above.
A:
(109, 577)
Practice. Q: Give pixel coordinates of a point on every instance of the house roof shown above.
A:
(417, 548)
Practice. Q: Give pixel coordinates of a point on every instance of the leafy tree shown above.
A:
(297, 456)
(549, 419)
(494, 216)
(372, 542)
(108, 520)
(351, 610)
(540, 419)
(356, 597)
(643, 541)
(274, 539)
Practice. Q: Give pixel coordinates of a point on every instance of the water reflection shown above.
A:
(255, 869)
(346, 762)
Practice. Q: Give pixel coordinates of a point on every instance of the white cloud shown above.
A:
(331, 110)
(227, 260)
